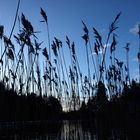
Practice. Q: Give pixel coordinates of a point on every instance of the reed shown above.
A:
(22, 71)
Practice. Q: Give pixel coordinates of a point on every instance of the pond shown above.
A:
(65, 130)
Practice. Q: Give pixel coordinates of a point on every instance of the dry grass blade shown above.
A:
(54, 48)
(97, 35)
(117, 17)
(27, 25)
(127, 47)
(85, 28)
(138, 30)
(1, 31)
(37, 45)
(31, 49)
(71, 74)
(73, 51)
(15, 19)
(45, 53)
(119, 63)
(17, 39)
(58, 43)
(113, 45)
(42, 12)
(96, 48)
(113, 26)
(138, 56)
(8, 42)
(68, 41)
(10, 54)
(73, 48)
(86, 38)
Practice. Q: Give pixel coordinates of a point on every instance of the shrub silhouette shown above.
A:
(14, 107)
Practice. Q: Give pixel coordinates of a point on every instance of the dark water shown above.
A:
(66, 130)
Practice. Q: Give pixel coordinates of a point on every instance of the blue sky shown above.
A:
(65, 17)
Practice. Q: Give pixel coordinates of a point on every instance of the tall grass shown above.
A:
(25, 74)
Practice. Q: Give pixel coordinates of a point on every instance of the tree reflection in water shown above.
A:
(67, 130)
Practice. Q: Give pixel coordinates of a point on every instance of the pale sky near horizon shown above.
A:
(64, 17)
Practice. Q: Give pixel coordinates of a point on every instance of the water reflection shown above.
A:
(74, 130)
(66, 130)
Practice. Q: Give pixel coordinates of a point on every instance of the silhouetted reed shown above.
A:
(34, 89)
